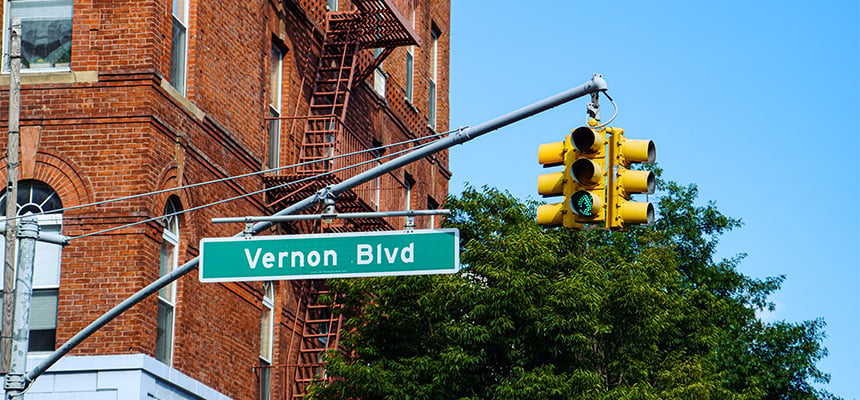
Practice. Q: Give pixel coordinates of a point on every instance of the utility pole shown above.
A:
(15, 383)
(11, 193)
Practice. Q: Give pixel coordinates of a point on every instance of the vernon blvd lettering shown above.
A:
(364, 255)
(326, 255)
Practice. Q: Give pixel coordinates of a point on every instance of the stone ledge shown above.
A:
(42, 78)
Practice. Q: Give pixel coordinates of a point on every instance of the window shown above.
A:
(434, 71)
(377, 191)
(167, 294)
(410, 67)
(408, 183)
(46, 33)
(38, 198)
(432, 205)
(331, 5)
(410, 72)
(267, 333)
(378, 75)
(179, 45)
(276, 83)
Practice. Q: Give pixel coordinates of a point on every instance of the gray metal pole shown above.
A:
(15, 383)
(11, 191)
(596, 83)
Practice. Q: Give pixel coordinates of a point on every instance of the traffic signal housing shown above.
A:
(624, 182)
(582, 182)
(587, 169)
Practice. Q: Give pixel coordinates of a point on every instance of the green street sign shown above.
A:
(323, 256)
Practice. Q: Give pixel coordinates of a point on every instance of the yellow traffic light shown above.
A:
(625, 182)
(587, 168)
(552, 184)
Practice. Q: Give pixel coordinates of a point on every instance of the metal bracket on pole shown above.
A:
(16, 381)
(410, 223)
(593, 108)
(249, 230)
(46, 237)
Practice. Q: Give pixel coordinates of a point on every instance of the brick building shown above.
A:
(121, 98)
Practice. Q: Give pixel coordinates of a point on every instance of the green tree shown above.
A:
(554, 314)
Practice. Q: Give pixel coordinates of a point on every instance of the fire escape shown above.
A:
(344, 62)
(342, 65)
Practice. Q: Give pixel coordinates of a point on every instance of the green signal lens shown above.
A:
(582, 204)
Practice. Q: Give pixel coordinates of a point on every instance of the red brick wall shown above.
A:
(122, 131)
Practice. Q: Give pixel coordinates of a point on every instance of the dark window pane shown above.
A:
(43, 339)
(177, 56)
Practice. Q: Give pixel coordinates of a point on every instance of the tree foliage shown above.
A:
(554, 314)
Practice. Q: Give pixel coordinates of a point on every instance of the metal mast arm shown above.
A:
(595, 84)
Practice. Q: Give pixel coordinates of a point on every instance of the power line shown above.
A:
(227, 179)
(250, 193)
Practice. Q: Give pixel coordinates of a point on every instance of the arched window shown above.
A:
(38, 198)
(167, 295)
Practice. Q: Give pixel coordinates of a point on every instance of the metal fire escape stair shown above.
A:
(320, 330)
(330, 96)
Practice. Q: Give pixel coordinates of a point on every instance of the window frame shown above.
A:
(167, 296)
(435, 34)
(276, 80)
(379, 75)
(179, 82)
(7, 22)
(267, 340)
(47, 222)
(410, 68)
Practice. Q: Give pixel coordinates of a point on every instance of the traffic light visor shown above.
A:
(642, 151)
(637, 212)
(551, 154)
(550, 214)
(551, 184)
(634, 181)
(586, 140)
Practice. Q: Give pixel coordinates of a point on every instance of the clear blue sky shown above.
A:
(757, 103)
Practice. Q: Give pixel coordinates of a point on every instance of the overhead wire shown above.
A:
(230, 178)
(223, 201)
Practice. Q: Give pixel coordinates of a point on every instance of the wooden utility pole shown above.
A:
(11, 193)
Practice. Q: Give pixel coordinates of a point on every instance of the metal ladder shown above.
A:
(330, 97)
(320, 333)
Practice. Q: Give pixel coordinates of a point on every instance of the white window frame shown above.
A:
(433, 81)
(167, 295)
(180, 83)
(377, 193)
(267, 340)
(276, 80)
(432, 204)
(46, 273)
(7, 23)
(379, 76)
(410, 68)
